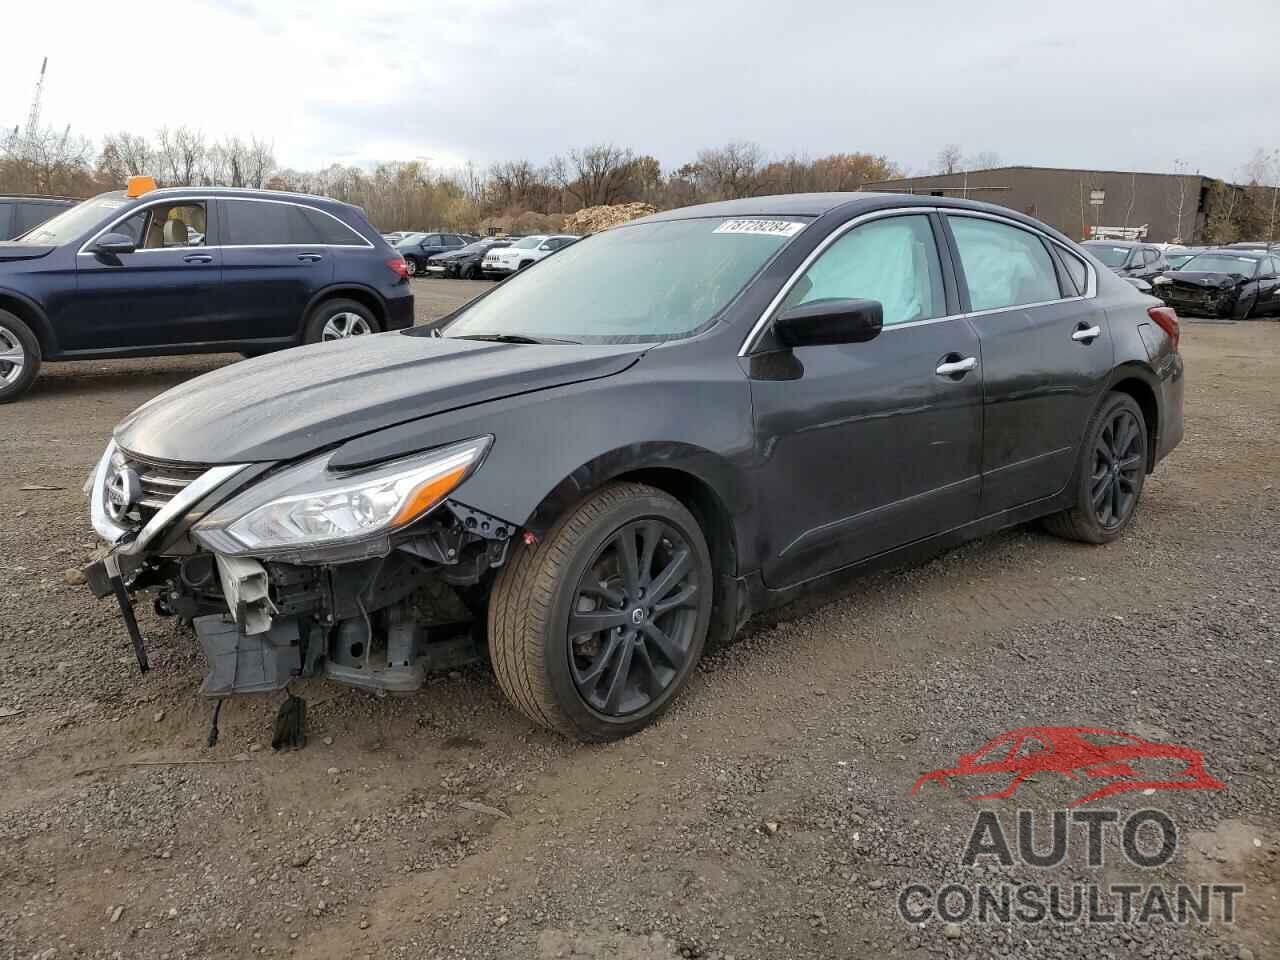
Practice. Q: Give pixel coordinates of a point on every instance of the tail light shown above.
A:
(399, 267)
(1167, 320)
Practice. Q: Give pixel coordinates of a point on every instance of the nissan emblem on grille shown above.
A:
(124, 490)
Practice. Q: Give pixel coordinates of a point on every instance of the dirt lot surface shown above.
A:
(767, 815)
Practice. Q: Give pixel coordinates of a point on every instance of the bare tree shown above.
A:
(1179, 196)
(950, 159)
(733, 170)
(182, 155)
(597, 174)
(1133, 191)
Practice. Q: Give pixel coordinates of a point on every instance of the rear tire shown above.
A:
(338, 320)
(1110, 471)
(22, 349)
(608, 682)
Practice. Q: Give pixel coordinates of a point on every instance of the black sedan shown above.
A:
(418, 248)
(464, 262)
(637, 444)
(1225, 284)
(1141, 261)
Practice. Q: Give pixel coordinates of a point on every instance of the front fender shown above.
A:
(552, 447)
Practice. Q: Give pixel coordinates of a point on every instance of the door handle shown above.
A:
(198, 258)
(310, 257)
(1085, 334)
(956, 368)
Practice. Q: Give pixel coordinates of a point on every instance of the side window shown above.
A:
(1004, 266)
(326, 229)
(179, 225)
(269, 223)
(6, 220)
(1150, 256)
(133, 227)
(894, 261)
(1076, 269)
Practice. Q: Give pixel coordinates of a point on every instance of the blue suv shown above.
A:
(193, 270)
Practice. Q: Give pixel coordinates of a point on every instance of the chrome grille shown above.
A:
(160, 482)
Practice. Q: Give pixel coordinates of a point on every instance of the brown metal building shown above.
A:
(1082, 203)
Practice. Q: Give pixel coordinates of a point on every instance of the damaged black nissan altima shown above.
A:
(634, 445)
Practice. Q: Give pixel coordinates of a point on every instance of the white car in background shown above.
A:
(504, 261)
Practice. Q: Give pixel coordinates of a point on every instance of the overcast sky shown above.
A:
(1092, 83)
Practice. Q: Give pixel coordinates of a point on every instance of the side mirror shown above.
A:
(829, 322)
(115, 243)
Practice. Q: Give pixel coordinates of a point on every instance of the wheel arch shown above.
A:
(30, 313)
(365, 296)
(1132, 379)
(693, 476)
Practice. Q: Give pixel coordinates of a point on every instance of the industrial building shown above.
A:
(1083, 204)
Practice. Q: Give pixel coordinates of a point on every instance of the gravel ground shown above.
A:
(769, 813)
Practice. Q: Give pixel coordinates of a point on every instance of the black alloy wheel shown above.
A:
(1118, 462)
(633, 618)
(1111, 468)
(596, 627)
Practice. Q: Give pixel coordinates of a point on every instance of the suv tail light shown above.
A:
(1167, 320)
(401, 269)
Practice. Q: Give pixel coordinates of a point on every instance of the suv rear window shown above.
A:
(273, 223)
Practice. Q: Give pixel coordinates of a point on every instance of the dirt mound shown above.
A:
(594, 219)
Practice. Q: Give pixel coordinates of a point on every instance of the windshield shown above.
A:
(1110, 256)
(1221, 263)
(528, 243)
(643, 283)
(1176, 260)
(477, 247)
(75, 222)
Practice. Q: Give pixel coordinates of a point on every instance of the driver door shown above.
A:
(166, 293)
(870, 446)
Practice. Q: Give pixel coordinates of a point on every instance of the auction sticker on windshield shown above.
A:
(769, 228)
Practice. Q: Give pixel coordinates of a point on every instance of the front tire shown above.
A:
(19, 357)
(1110, 471)
(595, 630)
(338, 320)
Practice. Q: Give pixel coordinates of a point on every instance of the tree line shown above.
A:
(511, 194)
(520, 195)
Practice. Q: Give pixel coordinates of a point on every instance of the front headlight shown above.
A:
(309, 506)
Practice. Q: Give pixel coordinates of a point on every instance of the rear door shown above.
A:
(869, 446)
(274, 261)
(1046, 355)
(166, 293)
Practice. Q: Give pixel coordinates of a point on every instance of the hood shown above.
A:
(1197, 278)
(13, 250)
(450, 255)
(287, 404)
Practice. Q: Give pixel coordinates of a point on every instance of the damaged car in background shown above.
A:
(1225, 284)
(632, 446)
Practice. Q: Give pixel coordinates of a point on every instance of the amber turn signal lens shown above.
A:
(426, 495)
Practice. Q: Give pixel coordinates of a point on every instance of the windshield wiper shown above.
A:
(511, 338)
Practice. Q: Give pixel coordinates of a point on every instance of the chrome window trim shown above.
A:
(177, 201)
(761, 324)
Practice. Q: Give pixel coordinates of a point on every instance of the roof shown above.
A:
(851, 204)
(238, 191)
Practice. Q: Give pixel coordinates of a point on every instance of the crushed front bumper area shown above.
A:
(382, 623)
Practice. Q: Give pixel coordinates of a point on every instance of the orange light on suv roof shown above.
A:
(140, 185)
